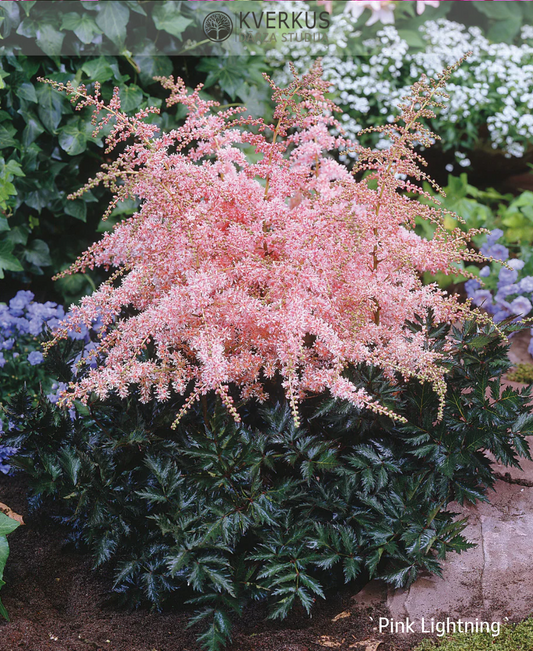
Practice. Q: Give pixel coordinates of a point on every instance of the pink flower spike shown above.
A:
(282, 268)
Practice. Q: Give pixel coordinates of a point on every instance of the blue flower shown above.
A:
(500, 316)
(471, 286)
(494, 236)
(526, 284)
(35, 357)
(497, 251)
(20, 301)
(35, 327)
(507, 276)
(2, 360)
(485, 272)
(8, 344)
(517, 264)
(521, 306)
(482, 297)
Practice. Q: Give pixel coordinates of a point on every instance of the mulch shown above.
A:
(57, 602)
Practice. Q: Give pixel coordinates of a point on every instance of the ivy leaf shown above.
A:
(130, 97)
(38, 254)
(28, 5)
(32, 130)
(6, 136)
(83, 26)
(113, 20)
(152, 66)
(72, 140)
(169, 18)
(77, 209)
(49, 110)
(98, 70)
(229, 74)
(8, 262)
(49, 39)
(26, 91)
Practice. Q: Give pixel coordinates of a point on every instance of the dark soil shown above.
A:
(58, 603)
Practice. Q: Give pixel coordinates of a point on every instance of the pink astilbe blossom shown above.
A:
(235, 271)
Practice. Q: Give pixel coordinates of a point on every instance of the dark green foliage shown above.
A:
(215, 514)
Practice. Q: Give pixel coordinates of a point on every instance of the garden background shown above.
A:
(83, 463)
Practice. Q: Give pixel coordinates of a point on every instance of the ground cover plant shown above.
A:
(513, 637)
(275, 403)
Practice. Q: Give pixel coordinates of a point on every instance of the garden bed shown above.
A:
(58, 603)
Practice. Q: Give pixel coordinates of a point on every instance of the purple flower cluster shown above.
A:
(22, 321)
(513, 295)
(25, 317)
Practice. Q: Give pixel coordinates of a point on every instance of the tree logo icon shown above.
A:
(218, 26)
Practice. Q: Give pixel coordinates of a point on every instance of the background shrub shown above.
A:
(46, 147)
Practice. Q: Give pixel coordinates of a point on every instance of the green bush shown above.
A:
(215, 514)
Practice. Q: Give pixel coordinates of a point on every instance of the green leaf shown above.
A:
(230, 74)
(500, 11)
(169, 18)
(50, 106)
(49, 39)
(505, 30)
(130, 98)
(7, 525)
(6, 136)
(8, 262)
(152, 66)
(26, 91)
(83, 26)
(113, 20)
(411, 37)
(72, 140)
(32, 130)
(98, 70)
(38, 254)
(77, 209)
(28, 5)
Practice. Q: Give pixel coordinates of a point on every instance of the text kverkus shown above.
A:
(438, 627)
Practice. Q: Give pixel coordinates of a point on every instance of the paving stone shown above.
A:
(491, 581)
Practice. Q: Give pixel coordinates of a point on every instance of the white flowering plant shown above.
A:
(491, 95)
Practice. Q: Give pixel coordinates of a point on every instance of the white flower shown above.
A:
(381, 11)
(420, 6)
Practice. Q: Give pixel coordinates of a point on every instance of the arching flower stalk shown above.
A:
(235, 270)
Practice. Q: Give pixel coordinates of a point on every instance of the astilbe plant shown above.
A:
(281, 266)
(279, 273)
